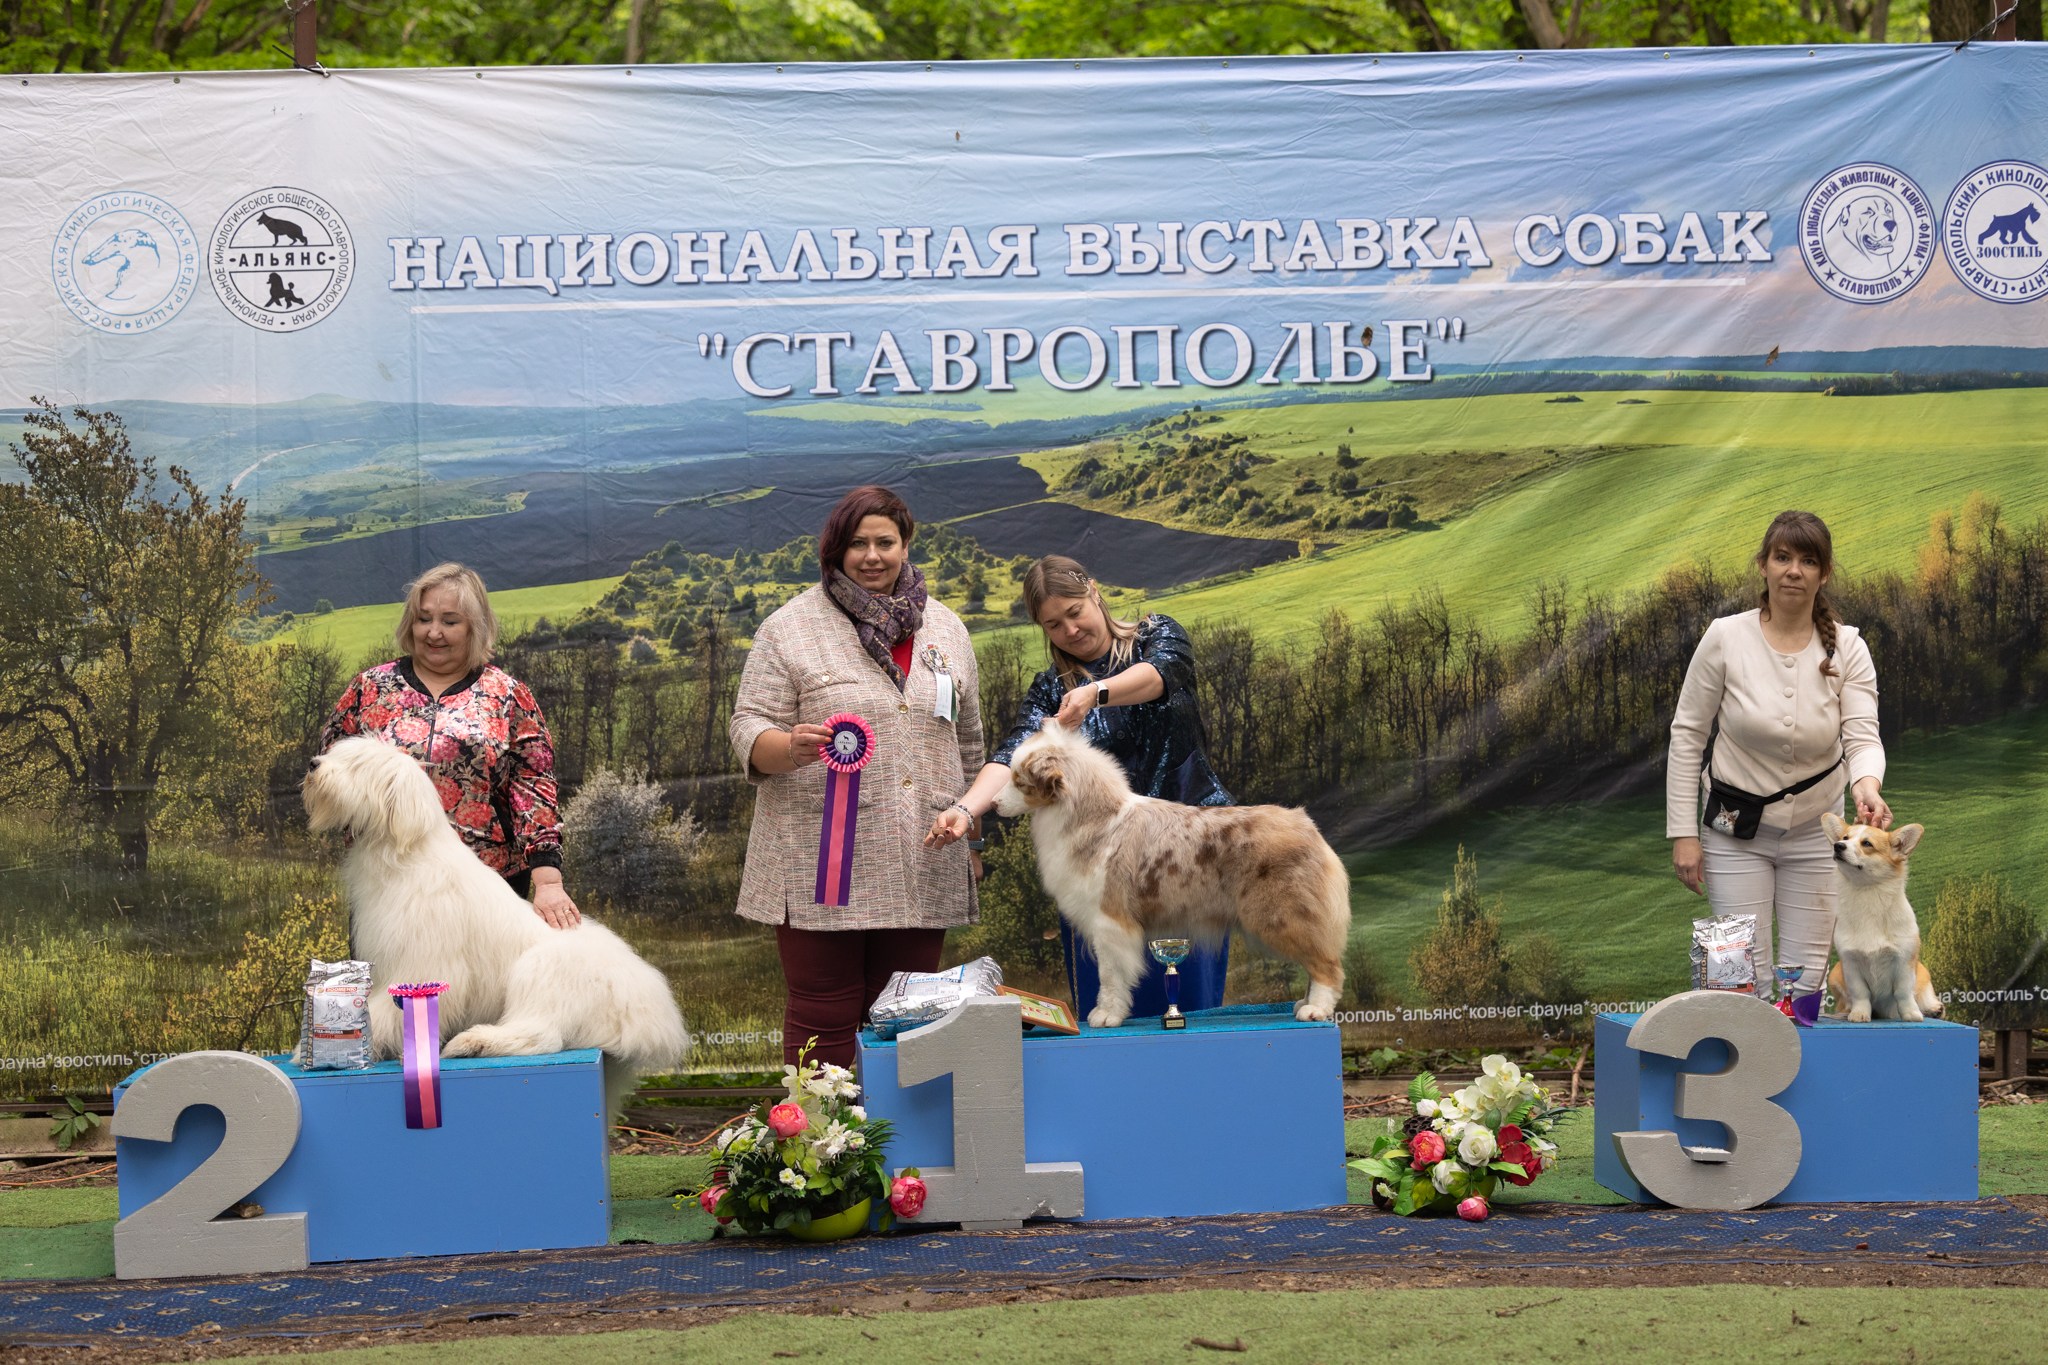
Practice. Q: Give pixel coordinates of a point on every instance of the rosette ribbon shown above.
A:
(420, 1007)
(848, 750)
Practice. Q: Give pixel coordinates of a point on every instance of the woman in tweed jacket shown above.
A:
(866, 640)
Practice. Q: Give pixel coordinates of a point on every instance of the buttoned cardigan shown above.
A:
(806, 665)
(1782, 720)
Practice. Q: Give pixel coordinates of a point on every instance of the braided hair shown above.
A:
(1806, 534)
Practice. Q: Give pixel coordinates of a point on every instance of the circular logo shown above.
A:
(125, 261)
(1993, 230)
(281, 259)
(1866, 233)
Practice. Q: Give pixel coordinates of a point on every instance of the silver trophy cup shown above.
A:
(1170, 953)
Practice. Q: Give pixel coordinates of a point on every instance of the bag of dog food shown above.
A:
(1721, 953)
(914, 998)
(334, 1032)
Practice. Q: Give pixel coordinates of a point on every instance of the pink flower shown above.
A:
(1426, 1148)
(906, 1196)
(1473, 1210)
(709, 1201)
(788, 1120)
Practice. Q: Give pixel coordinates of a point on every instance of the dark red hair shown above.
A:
(869, 500)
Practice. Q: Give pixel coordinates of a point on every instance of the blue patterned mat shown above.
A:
(383, 1294)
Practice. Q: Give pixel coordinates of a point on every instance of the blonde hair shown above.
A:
(1057, 576)
(476, 610)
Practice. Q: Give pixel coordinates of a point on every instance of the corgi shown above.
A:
(1877, 940)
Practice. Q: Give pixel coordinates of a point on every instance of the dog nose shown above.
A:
(314, 762)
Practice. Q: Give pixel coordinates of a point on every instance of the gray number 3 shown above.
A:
(1763, 1148)
(181, 1232)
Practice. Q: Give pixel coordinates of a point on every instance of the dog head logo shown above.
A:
(1993, 234)
(125, 262)
(1868, 853)
(1038, 772)
(1866, 233)
(375, 791)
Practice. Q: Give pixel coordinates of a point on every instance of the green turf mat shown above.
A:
(73, 1251)
(1721, 1323)
(659, 1221)
(2012, 1149)
(652, 1177)
(55, 1208)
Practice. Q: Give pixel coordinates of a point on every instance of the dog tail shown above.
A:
(652, 1041)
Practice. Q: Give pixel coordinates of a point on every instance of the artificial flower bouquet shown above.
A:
(1453, 1152)
(812, 1155)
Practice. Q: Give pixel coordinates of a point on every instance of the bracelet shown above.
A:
(963, 810)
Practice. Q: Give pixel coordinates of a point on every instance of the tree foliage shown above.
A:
(115, 652)
(133, 35)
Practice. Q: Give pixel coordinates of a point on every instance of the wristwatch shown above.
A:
(976, 845)
(1102, 694)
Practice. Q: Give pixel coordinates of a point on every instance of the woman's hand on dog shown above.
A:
(552, 903)
(1870, 807)
(1689, 863)
(1075, 706)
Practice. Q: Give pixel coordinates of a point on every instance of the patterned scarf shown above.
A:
(883, 620)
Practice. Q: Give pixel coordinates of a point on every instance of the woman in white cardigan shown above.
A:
(1794, 696)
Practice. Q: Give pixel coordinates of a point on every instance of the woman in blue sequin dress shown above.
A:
(1130, 687)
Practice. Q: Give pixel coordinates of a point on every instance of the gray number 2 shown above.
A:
(1763, 1148)
(180, 1232)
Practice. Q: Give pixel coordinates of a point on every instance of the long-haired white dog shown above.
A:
(1124, 868)
(425, 909)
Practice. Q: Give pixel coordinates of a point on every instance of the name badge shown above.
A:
(945, 705)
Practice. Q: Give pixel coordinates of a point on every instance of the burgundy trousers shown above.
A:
(834, 975)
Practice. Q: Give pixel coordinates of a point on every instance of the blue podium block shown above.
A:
(1887, 1111)
(1241, 1112)
(520, 1162)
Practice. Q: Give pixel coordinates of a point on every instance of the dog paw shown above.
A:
(1859, 1014)
(1312, 1013)
(464, 1044)
(1911, 1014)
(1102, 1018)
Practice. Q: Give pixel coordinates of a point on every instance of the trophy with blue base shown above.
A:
(1170, 953)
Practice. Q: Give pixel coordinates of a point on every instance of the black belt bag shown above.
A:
(1735, 812)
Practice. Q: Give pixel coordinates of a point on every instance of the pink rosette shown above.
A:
(851, 746)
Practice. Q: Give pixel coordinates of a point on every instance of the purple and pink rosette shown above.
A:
(419, 1006)
(848, 750)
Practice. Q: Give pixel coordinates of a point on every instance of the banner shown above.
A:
(1444, 398)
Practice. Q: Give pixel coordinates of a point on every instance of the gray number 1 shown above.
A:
(989, 1184)
(1763, 1148)
(180, 1232)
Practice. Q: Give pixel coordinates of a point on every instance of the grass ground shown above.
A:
(1598, 876)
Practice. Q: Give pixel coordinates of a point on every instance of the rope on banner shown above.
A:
(1996, 20)
(305, 53)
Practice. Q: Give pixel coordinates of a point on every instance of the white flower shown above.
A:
(1426, 1108)
(725, 1138)
(1503, 1071)
(819, 1086)
(829, 1145)
(855, 1141)
(793, 1180)
(1447, 1176)
(1477, 1146)
(856, 1113)
(1451, 1110)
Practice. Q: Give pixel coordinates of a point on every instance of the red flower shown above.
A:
(1473, 1210)
(906, 1196)
(1426, 1148)
(1522, 1155)
(1510, 1133)
(788, 1120)
(709, 1200)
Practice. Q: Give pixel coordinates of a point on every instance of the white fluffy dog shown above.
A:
(425, 909)
(1125, 868)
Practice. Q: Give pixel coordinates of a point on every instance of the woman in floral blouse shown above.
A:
(476, 729)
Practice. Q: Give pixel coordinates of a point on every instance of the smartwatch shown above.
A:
(1102, 694)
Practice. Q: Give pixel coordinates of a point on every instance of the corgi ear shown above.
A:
(1832, 824)
(1905, 838)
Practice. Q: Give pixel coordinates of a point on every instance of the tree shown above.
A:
(1460, 961)
(114, 625)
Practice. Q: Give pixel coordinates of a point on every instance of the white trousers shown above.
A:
(1784, 878)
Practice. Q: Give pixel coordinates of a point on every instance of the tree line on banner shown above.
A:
(47, 35)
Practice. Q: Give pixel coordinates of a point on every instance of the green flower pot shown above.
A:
(834, 1226)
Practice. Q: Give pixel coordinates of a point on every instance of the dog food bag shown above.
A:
(334, 1032)
(914, 998)
(1721, 958)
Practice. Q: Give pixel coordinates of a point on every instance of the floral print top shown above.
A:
(1158, 742)
(485, 745)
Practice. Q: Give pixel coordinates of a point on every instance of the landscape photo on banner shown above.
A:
(1443, 398)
